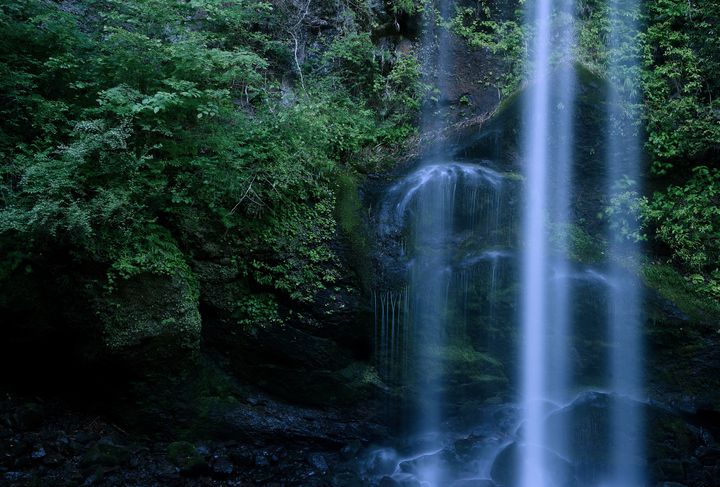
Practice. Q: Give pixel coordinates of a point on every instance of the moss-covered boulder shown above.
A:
(105, 453)
(683, 343)
(151, 320)
(186, 458)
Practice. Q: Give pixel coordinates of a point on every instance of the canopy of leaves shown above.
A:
(682, 82)
(128, 128)
(687, 220)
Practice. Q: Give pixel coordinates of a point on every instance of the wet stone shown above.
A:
(52, 460)
(672, 470)
(105, 453)
(28, 416)
(381, 462)
(474, 483)
(349, 451)
(186, 458)
(242, 456)
(388, 482)
(38, 453)
(261, 460)
(347, 479)
(222, 467)
(318, 462)
(16, 476)
(83, 437)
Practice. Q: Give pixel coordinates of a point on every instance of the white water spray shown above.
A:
(535, 258)
(624, 313)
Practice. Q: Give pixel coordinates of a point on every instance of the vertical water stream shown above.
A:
(624, 313)
(447, 245)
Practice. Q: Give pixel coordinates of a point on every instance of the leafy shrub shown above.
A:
(687, 219)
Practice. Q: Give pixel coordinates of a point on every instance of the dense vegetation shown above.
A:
(140, 137)
(679, 95)
(129, 129)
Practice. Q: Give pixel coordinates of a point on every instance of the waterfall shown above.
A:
(624, 314)
(535, 253)
(423, 221)
(546, 375)
(447, 304)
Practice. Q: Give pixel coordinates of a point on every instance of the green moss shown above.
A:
(462, 364)
(186, 457)
(151, 307)
(576, 243)
(257, 310)
(348, 210)
(106, 454)
(673, 287)
(292, 251)
(513, 176)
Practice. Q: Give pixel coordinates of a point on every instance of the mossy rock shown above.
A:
(590, 442)
(106, 454)
(672, 286)
(356, 382)
(505, 470)
(151, 319)
(186, 458)
(498, 139)
(459, 374)
(349, 214)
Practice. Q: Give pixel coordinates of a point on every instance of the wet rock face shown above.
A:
(679, 450)
(94, 343)
(676, 450)
(683, 359)
(683, 347)
(470, 359)
(294, 361)
(264, 419)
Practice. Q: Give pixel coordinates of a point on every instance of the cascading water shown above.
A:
(426, 219)
(624, 314)
(445, 308)
(533, 471)
(546, 320)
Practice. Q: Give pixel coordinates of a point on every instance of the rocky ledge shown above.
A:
(49, 443)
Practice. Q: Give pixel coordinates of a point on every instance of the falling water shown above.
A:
(561, 151)
(559, 385)
(445, 260)
(548, 139)
(624, 314)
(535, 258)
(435, 208)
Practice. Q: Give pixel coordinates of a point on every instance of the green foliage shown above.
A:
(393, 88)
(687, 219)
(625, 211)
(302, 263)
(592, 34)
(483, 27)
(400, 94)
(681, 82)
(678, 68)
(576, 243)
(406, 6)
(257, 310)
(125, 126)
(674, 287)
(352, 59)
